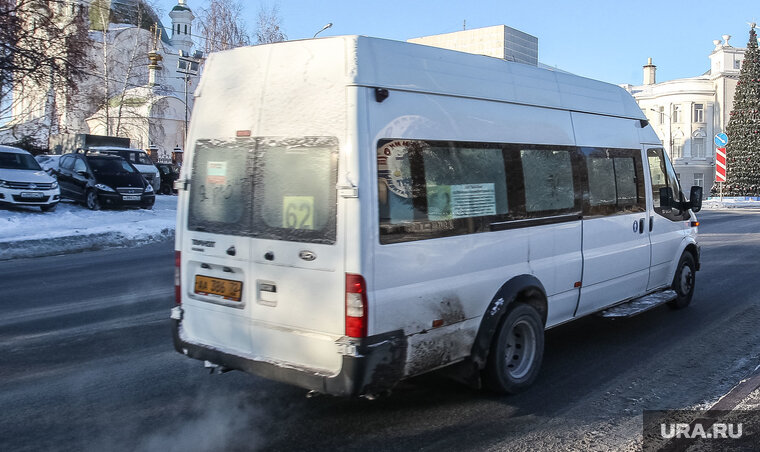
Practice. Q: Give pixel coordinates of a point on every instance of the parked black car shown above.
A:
(103, 180)
(169, 173)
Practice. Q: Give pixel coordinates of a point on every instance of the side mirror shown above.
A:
(666, 197)
(695, 199)
(84, 174)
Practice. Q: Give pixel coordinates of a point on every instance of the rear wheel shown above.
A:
(91, 200)
(516, 352)
(683, 281)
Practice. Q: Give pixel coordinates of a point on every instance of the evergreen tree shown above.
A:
(743, 130)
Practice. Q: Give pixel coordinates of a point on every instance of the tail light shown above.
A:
(177, 278)
(356, 306)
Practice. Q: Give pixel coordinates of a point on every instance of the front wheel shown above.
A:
(516, 352)
(683, 282)
(49, 207)
(91, 200)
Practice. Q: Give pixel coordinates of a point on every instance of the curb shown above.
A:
(77, 244)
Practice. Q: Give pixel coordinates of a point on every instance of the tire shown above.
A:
(516, 351)
(683, 281)
(49, 207)
(91, 200)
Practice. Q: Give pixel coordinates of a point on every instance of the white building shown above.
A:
(140, 95)
(687, 113)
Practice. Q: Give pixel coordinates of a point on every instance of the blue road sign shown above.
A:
(721, 140)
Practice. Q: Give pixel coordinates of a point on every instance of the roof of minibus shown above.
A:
(398, 65)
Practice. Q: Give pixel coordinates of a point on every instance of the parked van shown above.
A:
(356, 211)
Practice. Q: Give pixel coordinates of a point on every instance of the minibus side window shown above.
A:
(432, 189)
(548, 180)
(429, 189)
(615, 181)
(663, 175)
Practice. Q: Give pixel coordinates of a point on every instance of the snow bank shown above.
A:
(732, 202)
(28, 232)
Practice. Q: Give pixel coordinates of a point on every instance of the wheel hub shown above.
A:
(520, 351)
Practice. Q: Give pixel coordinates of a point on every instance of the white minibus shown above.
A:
(356, 211)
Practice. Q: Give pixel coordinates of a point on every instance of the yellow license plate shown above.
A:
(225, 288)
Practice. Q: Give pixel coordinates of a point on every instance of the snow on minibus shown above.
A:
(355, 211)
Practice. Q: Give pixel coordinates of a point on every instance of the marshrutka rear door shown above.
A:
(262, 260)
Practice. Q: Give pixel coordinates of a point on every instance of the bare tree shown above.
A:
(43, 47)
(268, 27)
(121, 66)
(222, 26)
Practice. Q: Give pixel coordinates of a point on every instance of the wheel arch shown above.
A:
(687, 245)
(523, 288)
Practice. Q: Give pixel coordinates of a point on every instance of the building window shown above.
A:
(185, 28)
(677, 151)
(662, 115)
(676, 116)
(699, 112)
(698, 147)
(737, 64)
(177, 28)
(699, 179)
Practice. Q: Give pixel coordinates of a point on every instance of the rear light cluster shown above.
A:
(356, 306)
(177, 278)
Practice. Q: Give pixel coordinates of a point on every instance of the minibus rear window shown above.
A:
(295, 194)
(274, 188)
(220, 195)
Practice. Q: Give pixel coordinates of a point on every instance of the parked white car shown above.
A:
(137, 157)
(24, 183)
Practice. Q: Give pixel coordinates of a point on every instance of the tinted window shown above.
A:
(615, 181)
(79, 165)
(110, 166)
(548, 177)
(430, 189)
(281, 189)
(67, 162)
(220, 196)
(14, 160)
(294, 189)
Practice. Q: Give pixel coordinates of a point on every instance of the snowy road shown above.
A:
(87, 364)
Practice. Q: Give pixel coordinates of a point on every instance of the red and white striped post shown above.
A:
(720, 168)
(721, 140)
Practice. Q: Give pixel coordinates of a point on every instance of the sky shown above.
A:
(604, 40)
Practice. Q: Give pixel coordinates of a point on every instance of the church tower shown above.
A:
(182, 27)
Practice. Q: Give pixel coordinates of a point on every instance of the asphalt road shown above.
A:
(86, 363)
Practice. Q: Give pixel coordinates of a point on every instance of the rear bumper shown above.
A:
(375, 365)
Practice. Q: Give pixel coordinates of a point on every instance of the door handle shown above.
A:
(641, 226)
(651, 223)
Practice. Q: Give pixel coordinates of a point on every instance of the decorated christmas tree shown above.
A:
(743, 130)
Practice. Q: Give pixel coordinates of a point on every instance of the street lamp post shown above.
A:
(188, 65)
(670, 129)
(323, 29)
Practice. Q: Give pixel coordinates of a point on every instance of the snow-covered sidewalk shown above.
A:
(28, 232)
(730, 203)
